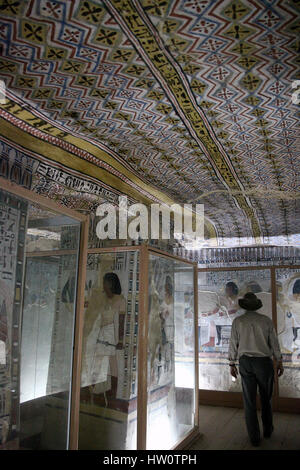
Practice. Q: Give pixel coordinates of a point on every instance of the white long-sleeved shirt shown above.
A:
(253, 334)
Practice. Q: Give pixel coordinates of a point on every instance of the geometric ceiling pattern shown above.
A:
(194, 96)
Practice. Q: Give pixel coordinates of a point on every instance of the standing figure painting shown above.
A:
(167, 321)
(104, 333)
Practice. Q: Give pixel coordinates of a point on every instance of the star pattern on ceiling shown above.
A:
(195, 96)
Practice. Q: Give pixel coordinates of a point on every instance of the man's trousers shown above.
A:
(257, 372)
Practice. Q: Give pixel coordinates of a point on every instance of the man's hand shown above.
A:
(279, 368)
(233, 371)
(119, 346)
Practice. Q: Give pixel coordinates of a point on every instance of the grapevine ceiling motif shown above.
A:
(192, 98)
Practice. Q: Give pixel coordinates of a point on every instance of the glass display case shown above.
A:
(171, 352)
(138, 380)
(108, 397)
(278, 287)
(39, 249)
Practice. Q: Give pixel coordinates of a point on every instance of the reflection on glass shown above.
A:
(171, 366)
(47, 231)
(37, 300)
(46, 354)
(288, 327)
(108, 378)
(218, 295)
(41, 277)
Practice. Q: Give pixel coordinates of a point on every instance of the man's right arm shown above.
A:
(233, 349)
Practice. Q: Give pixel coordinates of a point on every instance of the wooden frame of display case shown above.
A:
(48, 204)
(144, 252)
(235, 399)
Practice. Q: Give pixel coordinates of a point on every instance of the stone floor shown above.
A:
(224, 429)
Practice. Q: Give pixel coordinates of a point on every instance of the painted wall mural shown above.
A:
(288, 321)
(218, 294)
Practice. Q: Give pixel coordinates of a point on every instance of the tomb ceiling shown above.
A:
(183, 101)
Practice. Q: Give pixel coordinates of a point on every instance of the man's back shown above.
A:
(253, 334)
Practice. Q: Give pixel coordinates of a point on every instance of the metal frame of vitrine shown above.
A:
(144, 252)
(235, 399)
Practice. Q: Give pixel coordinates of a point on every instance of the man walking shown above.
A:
(254, 341)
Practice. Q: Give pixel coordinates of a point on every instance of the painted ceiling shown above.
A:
(186, 101)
